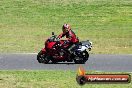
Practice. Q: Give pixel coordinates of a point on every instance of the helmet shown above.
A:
(66, 28)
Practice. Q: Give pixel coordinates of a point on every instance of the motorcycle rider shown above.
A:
(70, 35)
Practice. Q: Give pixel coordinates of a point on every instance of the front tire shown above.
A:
(42, 58)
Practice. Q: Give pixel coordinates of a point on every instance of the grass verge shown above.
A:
(49, 79)
(25, 24)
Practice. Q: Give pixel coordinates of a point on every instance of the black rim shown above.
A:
(42, 58)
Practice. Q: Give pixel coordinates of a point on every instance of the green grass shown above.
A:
(25, 24)
(49, 79)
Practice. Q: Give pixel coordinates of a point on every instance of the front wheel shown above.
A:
(81, 58)
(42, 58)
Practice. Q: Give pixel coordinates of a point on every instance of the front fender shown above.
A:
(43, 50)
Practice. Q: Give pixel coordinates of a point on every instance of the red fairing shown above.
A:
(43, 50)
(49, 45)
(62, 42)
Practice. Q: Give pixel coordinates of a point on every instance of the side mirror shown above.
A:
(52, 33)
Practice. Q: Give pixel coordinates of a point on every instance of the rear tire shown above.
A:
(83, 59)
(42, 58)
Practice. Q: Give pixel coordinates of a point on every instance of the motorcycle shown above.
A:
(55, 51)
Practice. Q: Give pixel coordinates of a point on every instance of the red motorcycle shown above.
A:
(55, 51)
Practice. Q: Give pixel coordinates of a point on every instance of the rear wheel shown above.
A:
(42, 58)
(81, 58)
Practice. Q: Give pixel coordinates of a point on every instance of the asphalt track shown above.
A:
(114, 63)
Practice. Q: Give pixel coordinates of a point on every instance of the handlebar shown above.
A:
(54, 38)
